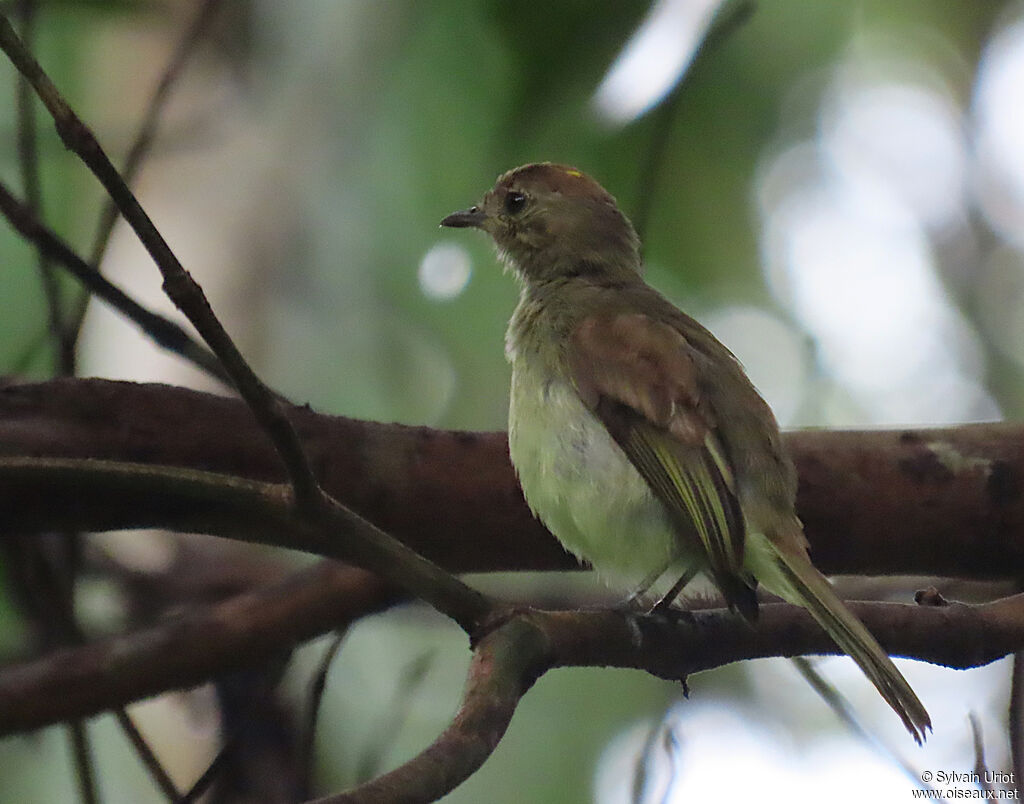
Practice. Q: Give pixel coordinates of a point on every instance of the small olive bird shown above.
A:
(637, 437)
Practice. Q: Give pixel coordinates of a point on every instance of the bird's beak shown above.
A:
(472, 217)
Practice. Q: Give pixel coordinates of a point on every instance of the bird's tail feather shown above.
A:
(815, 593)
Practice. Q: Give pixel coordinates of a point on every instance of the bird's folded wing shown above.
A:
(638, 377)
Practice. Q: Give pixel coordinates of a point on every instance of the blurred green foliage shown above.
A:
(384, 117)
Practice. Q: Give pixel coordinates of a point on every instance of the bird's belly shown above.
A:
(578, 481)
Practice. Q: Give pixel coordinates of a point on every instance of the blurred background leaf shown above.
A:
(840, 198)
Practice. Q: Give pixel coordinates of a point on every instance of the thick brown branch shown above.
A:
(188, 650)
(958, 635)
(938, 502)
(335, 532)
(82, 681)
(504, 667)
(509, 660)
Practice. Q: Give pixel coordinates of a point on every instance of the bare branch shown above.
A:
(143, 141)
(178, 284)
(28, 157)
(946, 502)
(161, 330)
(209, 776)
(81, 681)
(504, 666)
(146, 754)
(1015, 718)
(978, 740)
(845, 711)
(673, 647)
(147, 129)
(188, 650)
(81, 750)
(336, 532)
(931, 482)
(511, 657)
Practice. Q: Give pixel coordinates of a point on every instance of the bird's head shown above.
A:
(552, 221)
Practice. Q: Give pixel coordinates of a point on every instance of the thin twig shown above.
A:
(839, 704)
(65, 339)
(978, 740)
(163, 331)
(209, 776)
(42, 583)
(178, 284)
(147, 129)
(1016, 718)
(316, 694)
(645, 761)
(390, 726)
(653, 157)
(52, 605)
(28, 157)
(146, 754)
(84, 770)
(144, 138)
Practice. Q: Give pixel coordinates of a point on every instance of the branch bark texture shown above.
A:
(921, 501)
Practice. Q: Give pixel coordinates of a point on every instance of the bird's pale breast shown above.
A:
(578, 481)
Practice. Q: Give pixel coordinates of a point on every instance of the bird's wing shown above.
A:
(638, 376)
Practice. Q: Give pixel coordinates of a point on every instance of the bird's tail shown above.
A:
(810, 589)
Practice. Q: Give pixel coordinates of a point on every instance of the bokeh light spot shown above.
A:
(999, 121)
(444, 271)
(654, 59)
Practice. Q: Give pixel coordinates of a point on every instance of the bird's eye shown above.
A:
(514, 203)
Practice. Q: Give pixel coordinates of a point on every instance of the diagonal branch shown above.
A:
(178, 284)
(28, 157)
(141, 145)
(161, 330)
(320, 514)
(335, 532)
(188, 650)
(504, 666)
(147, 129)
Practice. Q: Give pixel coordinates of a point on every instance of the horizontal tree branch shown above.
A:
(187, 650)
(98, 454)
(512, 657)
(335, 531)
(672, 647)
(914, 501)
(82, 681)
